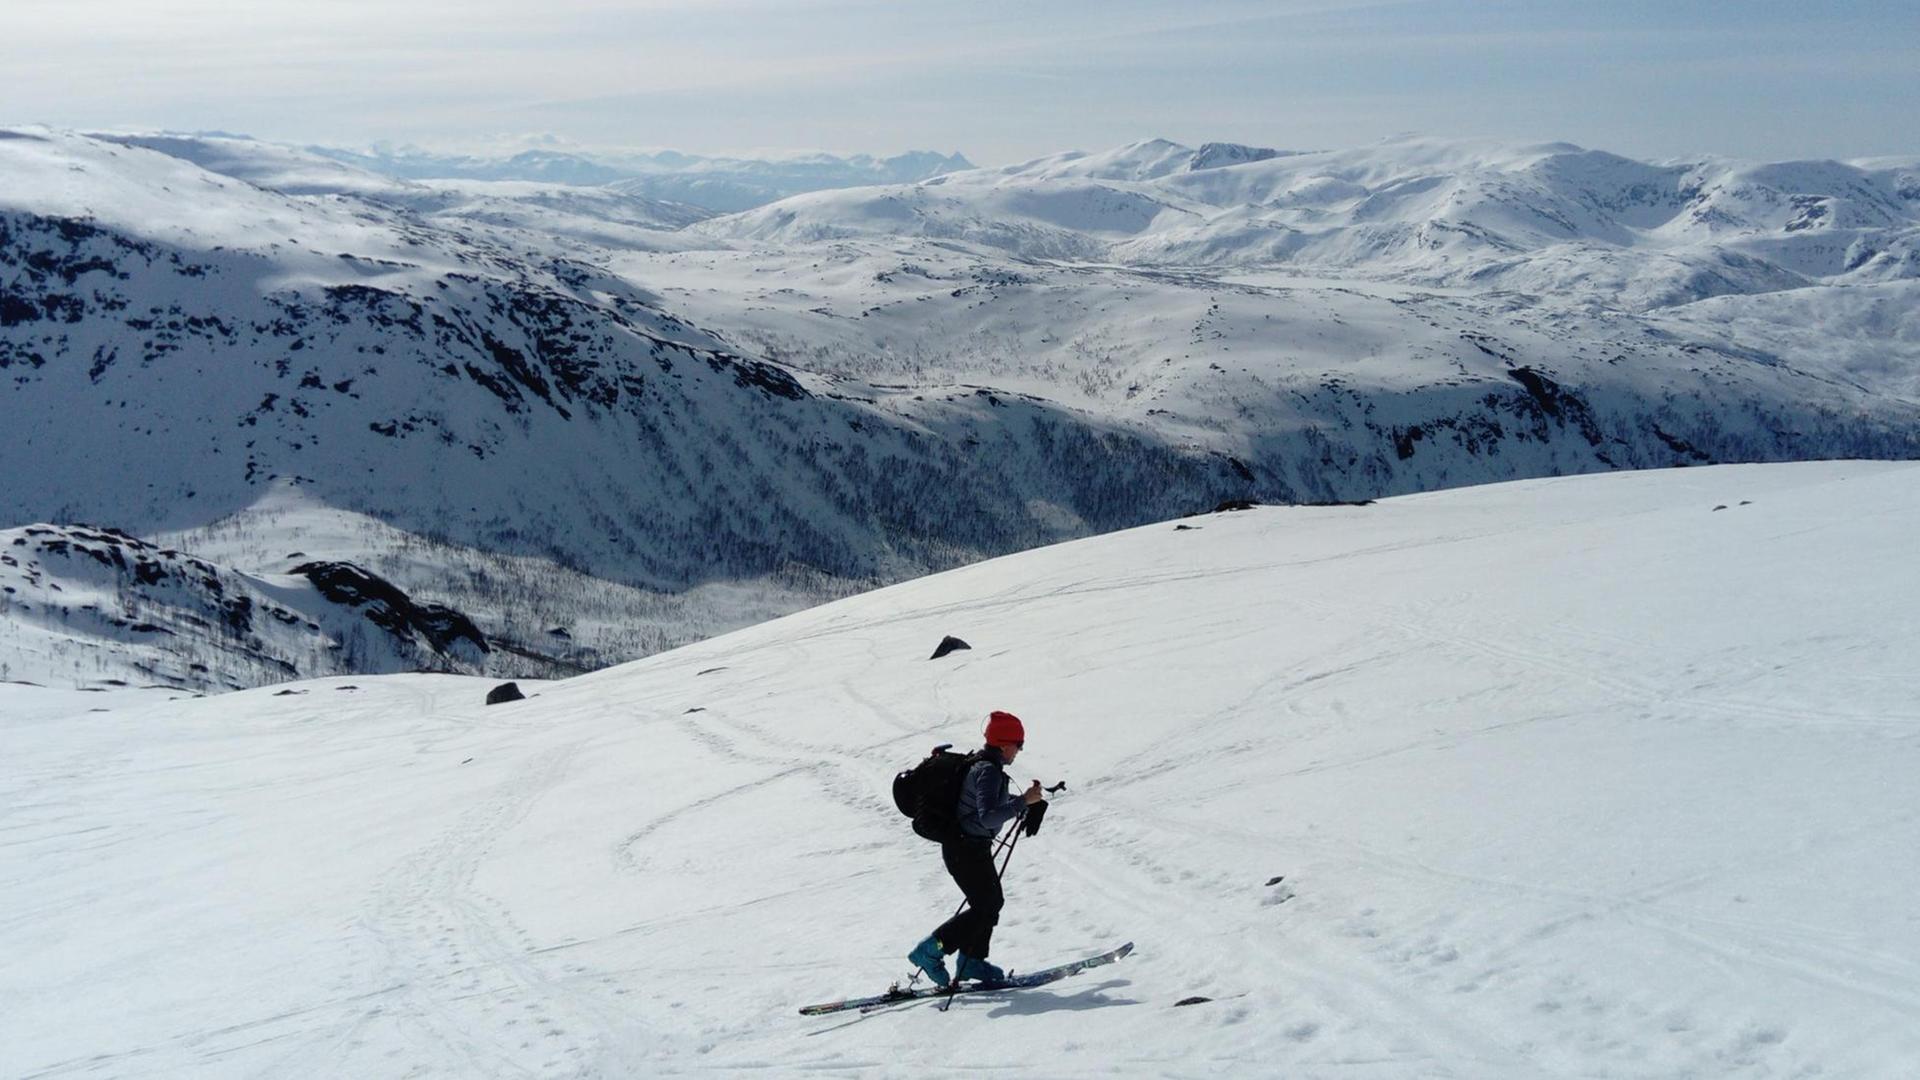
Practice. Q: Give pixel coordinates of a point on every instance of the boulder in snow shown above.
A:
(948, 644)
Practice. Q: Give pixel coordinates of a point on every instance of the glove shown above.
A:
(1034, 814)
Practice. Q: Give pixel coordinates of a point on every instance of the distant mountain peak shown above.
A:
(1216, 155)
(719, 184)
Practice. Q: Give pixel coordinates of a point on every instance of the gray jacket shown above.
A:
(985, 803)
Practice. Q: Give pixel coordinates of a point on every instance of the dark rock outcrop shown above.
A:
(948, 644)
(385, 606)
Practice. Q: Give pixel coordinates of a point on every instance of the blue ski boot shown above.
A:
(928, 957)
(979, 971)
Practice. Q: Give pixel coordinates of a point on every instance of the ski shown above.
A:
(1018, 981)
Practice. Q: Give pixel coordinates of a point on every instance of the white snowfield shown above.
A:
(1602, 776)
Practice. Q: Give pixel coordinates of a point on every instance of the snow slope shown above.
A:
(1606, 775)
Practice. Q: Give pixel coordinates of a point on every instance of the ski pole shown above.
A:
(1014, 832)
(1001, 875)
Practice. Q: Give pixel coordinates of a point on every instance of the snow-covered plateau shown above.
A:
(1593, 776)
(597, 424)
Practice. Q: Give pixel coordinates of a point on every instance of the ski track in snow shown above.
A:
(460, 952)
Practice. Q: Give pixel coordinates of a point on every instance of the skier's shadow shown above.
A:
(1011, 1003)
(1034, 1002)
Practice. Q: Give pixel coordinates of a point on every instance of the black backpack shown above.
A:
(929, 793)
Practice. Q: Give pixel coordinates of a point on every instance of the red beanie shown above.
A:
(1004, 728)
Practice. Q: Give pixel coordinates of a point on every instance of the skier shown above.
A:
(985, 807)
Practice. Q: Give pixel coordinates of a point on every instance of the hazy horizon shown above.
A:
(996, 81)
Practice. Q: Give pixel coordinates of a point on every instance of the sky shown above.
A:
(999, 80)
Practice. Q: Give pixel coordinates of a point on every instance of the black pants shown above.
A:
(971, 864)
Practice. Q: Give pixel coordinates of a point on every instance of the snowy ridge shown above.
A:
(1439, 212)
(542, 619)
(549, 207)
(1596, 775)
(717, 184)
(96, 607)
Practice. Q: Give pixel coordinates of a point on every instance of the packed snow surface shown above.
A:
(1598, 776)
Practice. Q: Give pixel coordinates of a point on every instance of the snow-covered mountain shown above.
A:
(176, 341)
(549, 208)
(1606, 775)
(447, 380)
(1544, 219)
(718, 184)
(575, 384)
